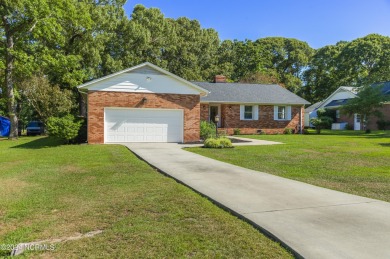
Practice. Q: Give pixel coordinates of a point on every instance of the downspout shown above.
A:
(300, 120)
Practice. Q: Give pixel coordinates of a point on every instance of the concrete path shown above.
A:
(313, 221)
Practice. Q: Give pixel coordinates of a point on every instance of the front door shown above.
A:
(214, 111)
(357, 122)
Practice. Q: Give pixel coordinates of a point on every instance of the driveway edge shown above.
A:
(227, 209)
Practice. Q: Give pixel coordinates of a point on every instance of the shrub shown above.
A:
(383, 125)
(368, 131)
(207, 129)
(349, 127)
(321, 121)
(225, 143)
(211, 143)
(306, 132)
(236, 131)
(288, 131)
(218, 143)
(65, 128)
(82, 134)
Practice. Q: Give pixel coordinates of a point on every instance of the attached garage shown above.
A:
(143, 125)
(144, 103)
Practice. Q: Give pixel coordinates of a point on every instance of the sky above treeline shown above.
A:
(318, 22)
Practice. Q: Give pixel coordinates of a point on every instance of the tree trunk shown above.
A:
(11, 103)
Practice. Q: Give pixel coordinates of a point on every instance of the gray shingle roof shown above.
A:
(248, 93)
(313, 107)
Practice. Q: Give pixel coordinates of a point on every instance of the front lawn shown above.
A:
(347, 161)
(50, 191)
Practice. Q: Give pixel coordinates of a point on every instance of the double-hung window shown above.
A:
(249, 112)
(282, 112)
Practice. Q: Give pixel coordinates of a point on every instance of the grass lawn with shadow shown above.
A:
(347, 161)
(49, 191)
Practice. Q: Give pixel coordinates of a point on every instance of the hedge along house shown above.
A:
(252, 108)
(144, 103)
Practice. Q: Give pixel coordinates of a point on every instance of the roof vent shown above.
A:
(220, 79)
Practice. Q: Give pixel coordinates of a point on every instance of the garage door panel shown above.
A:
(143, 125)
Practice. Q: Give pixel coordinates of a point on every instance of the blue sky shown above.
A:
(318, 22)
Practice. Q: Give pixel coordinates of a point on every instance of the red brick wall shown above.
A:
(230, 119)
(372, 120)
(204, 112)
(98, 100)
(386, 116)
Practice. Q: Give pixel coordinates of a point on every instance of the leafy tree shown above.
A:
(181, 45)
(18, 20)
(288, 57)
(362, 61)
(323, 76)
(261, 77)
(46, 99)
(321, 121)
(64, 39)
(367, 103)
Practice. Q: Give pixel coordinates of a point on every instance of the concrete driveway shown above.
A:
(314, 222)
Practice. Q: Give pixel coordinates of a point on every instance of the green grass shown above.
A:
(347, 161)
(48, 190)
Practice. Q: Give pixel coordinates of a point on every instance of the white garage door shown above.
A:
(143, 125)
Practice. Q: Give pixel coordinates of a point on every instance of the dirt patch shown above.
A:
(71, 169)
(11, 186)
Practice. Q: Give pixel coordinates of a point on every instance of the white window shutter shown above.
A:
(255, 110)
(289, 112)
(275, 112)
(242, 110)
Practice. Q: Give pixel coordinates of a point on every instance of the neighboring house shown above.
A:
(145, 103)
(311, 112)
(252, 108)
(341, 96)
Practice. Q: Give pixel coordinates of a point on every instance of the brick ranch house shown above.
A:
(146, 103)
(340, 97)
(252, 108)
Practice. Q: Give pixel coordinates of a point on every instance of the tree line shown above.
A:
(65, 43)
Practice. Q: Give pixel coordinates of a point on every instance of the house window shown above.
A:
(282, 112)
(358, 118)
(248, 112)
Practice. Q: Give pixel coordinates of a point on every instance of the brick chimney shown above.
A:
(220, 79)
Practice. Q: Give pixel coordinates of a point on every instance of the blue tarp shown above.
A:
(5, 126)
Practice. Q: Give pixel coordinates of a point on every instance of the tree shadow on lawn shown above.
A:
(45, 142)
(356, 134)
(384, 144)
